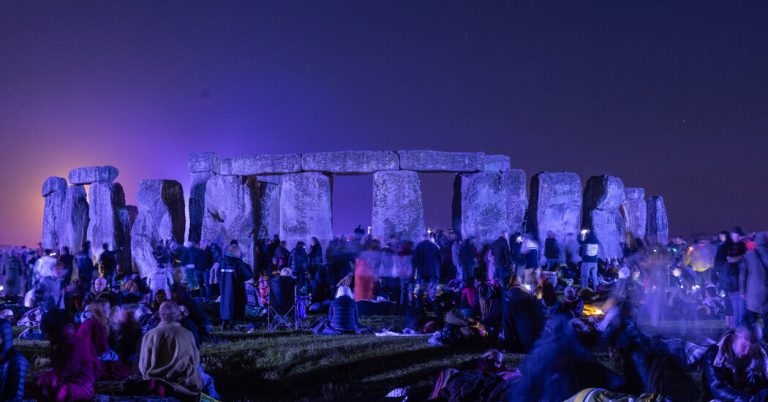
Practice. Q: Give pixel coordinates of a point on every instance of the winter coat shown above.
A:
(13, 366)
(84, 265)
(12, 269)
(342, 314)
(522, 318)
(232, 276)
(426, 260)
(720, 377)
(551, 249)
(501, 252)
(299, 261)
(754, 281)
(169, 353)
(733, 270)
(588, 248)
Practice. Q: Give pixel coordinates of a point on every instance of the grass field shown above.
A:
(299, 366)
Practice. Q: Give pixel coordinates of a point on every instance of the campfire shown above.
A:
(591, 310)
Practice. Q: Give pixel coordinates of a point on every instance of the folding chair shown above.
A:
(281, 308)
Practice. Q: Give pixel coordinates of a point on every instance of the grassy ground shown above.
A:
(297, 366)
(300, 366)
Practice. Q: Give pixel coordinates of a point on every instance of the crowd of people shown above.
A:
(557, 302)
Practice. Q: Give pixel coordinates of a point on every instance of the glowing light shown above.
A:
(677, 272)
(590, 310)
(527, 287)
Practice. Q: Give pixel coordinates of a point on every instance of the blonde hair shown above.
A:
(100, 310)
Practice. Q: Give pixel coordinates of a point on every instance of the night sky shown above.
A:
(670, 96)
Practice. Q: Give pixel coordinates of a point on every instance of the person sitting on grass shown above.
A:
(74, 364)
(735, 368)
(13, 366)
(169, 358)
(342, 315)
(522, 317)
(483, 379)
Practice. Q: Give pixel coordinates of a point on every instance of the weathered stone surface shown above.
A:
(495, 163)
(54, 184)
(74, 224)
(108, 220)
(198, 162)
(480, 206)
(350, 162)
(133, 213)
(92, 174)
(438, 161)
(229, 213)
(266, 206)
(555, 206)
(55, 193)
(603, 196)
(397, 206)
(633, 210)
(516, 199)
(197, 203)
(161, 217)
(305, 208)
(657, 227)
(246, 165)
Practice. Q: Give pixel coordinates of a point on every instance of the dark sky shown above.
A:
(670, 96)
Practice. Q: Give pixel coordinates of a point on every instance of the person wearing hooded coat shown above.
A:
(522, 317)
(754, 282)
(12, 269)
(13, 366)
(232, 276)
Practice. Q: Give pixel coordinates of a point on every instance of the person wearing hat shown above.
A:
(232, 276)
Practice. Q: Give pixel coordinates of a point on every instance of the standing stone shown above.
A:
(133, 213)
(480, 206)
(54, 192)
(202, 166)
(397, 206)
(75, 218)
(229, 213)
(92, 174)
(305, 208)
(555, 206)
(266, 206)
(161, 217)
(603, 196)
(108, 220)
(516, 199)
(634, 212)
(657, 227)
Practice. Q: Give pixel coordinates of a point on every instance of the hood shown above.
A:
(761, 239)
(6, 332)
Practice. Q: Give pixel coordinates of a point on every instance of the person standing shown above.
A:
(189, 256)
(108, 262)
(501, 257)
(588, 249)
(426, 263)
(298, 261)
(203, 264)
(12, 270)
(753, 282)
(84, 265)
(468, 259)
(551, 251)
(232, 276)
(69, 265)
(731, 278)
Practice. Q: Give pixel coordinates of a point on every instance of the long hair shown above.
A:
(100, 310)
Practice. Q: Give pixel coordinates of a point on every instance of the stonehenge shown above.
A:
(397, 205)
(555, 206)
(160, 217)
(254, 196)
(657, 226)
(603, 196)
